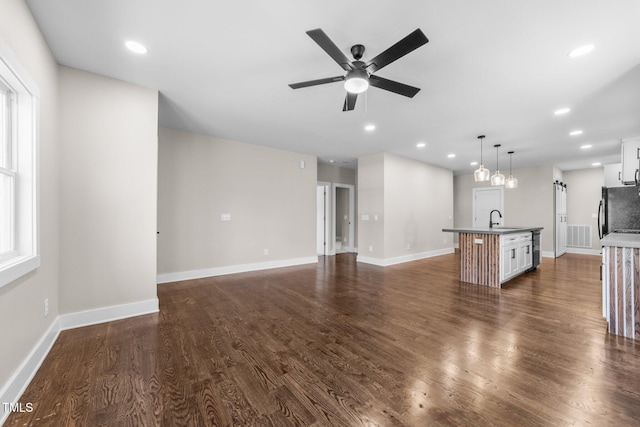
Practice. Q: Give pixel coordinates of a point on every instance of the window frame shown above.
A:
(24, 102)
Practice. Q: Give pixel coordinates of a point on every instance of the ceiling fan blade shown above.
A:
(393, 86)
(350, 101)
(316, 82)
(328, 46)
(398, 50)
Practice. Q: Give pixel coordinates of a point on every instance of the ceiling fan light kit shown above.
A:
(359, 75)
(356, 81)
(497, 178)
(482, 173)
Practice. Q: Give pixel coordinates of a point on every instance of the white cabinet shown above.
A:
(613, 175)
(630, 160)
(516, 255)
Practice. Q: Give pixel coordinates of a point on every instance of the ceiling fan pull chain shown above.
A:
(366, 102)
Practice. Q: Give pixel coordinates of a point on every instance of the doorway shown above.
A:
(344, 218)
(484, 201)
(322, 218)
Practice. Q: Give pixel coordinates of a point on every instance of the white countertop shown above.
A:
(624, 240)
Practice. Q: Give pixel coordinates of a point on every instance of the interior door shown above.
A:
(484, 201)
(560, 224)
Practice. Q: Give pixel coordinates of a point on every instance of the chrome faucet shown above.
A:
(491, 223)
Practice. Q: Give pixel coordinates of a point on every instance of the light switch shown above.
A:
(225, 217)
(365, 217)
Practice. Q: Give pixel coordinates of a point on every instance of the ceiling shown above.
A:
(495, 67)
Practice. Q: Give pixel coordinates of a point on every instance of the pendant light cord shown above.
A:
(511, 163)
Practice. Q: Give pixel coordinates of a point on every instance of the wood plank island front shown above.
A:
(621, 283)
(493, 256)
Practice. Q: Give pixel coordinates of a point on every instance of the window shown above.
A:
(18, 170)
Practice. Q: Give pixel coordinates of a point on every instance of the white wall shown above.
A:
(108, 152)
(584, 191)
(413, 201)
(371, 203)
(336, 174)
(418, 205)
(21, 302)
(271, 200)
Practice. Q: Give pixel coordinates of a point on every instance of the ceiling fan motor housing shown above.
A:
(357, 50)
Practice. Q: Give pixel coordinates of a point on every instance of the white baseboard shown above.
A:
(232, 269)
(548, 254)
(383, 262)
(584, 251)
(16, 385)
(107, 314)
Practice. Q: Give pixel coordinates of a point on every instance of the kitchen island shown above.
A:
(621, 283)
(492, 256)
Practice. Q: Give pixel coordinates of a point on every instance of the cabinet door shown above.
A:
(630, 160)
(527, 256)
(613, 175)
(513, 259)
(522, 260)
(505, 263)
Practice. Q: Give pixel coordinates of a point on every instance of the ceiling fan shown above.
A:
(360, 74)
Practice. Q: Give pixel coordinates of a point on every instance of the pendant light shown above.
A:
(482, 173)
(497, 178)
(510, 182)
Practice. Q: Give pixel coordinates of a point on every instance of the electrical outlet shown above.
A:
(445, 241)
(370, 248)
(46, 307)
(266, 251)
(408, 246)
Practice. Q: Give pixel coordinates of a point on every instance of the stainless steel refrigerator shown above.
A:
(619, 210)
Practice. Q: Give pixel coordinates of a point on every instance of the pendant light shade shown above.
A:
(482, 173)
(497, 178)
(510, 182)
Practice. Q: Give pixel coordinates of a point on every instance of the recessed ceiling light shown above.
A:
(582, 50)
(596, 164)
(585, 147)
(473, 163)
(370, 128)
(421, 145)
(561, 111)
(575, 133)
(136, 47)
(332, 161)
(451, 156)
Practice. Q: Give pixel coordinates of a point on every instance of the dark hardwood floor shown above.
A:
(348, 344)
